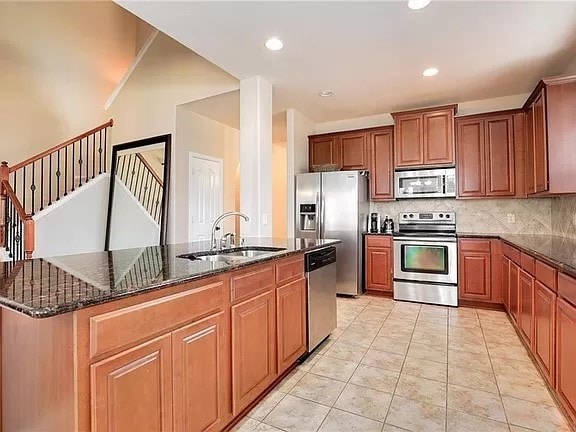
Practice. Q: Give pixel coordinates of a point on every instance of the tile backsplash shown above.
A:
(564, 216)
(532, 216)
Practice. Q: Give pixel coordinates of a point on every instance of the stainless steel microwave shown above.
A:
(430, 183)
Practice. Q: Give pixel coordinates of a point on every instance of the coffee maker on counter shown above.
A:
(374, 223)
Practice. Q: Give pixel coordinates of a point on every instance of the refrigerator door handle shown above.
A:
(318, 216)
(323, 217)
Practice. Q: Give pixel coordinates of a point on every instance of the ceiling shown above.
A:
(371, 54)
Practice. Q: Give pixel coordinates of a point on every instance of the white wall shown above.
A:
(198, 134)
(464, 108)
(297, 131)
(76, 223)
(59, 62)
(279, 189)
(130, 224)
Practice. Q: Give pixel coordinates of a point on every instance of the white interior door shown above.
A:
(206, 195)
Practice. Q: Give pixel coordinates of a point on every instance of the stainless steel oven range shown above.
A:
(426, 258)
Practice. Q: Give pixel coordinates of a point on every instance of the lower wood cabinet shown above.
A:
(513, 289)
(132, 391)
(474, 270)
(566, 354)
(544, 325)
(201, 371)
(505, 269)
(291, 323)
(379, 264)
(525, 305)
(253, 348)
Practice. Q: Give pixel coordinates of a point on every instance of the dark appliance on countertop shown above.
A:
(321, 295)
(374, 223)
(426, 258)
(388, 225)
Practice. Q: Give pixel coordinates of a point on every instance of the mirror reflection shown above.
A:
(138, 194)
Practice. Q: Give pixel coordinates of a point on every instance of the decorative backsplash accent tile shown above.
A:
(563, 216)
(533, 215)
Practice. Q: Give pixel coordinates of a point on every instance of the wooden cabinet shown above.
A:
(550, 155)
(525, 305)
(566, 355)
(486, 155)
(324, 149)
(132, 391)
(543, 344)
(379, 263)
(513, 289)
(424, 137)
(201, 371)
(474, 270)
(381, 164)
(505, 269)
(354, 151)
(291, 323)
(253, 348)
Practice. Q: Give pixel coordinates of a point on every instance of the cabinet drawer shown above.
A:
(546, 274)
(122, 327)
(379, 241)
(467, 245)
(567, 288)
(511, 252)
(289, 270)
(528, 263)
(248, 284)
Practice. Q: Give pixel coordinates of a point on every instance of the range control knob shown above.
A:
(441, 215)
(411, 215)
(447, 216)
(404, 216)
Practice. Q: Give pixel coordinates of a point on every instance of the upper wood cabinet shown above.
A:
(486, 156)
(381, 144)
(424, 137)
(132, 391)
(201, 371)
(550, 132)
(354, 151)
(324, 150)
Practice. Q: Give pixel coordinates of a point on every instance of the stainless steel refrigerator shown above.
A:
(334, 205)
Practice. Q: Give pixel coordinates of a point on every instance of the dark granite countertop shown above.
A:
(45, 287)
(557, 251)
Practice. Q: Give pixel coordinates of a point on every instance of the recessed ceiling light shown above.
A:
(418, 4)
(274, 44)
(326, 93)
(430, 72)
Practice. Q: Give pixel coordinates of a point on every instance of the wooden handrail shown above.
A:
(9, 192)
(45, 153)
(149, 167)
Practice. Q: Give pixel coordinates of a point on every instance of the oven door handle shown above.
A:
(420, 240)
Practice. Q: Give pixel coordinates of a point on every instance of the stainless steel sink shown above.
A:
(236, 254)
(250, 253)
(213, 258)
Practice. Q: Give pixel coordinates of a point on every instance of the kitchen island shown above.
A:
(147, 340)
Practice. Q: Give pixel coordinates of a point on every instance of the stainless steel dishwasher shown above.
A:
(321, 278)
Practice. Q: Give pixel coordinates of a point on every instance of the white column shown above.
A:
(256, 156)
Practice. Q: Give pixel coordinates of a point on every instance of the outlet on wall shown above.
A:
(511, 218)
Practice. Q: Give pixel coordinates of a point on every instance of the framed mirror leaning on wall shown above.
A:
(139, 191)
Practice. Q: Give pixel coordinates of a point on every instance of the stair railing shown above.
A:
(16, 226)
(143, 181)
(43, 179)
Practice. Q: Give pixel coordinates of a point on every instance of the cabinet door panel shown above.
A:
(475, 276)
(291, 322)
(382, 165)
(354, 151)
(566, 354)
(201, 355)
(540, 144)
(471, 158)
(253, 348)
(526, 294)
(323, 150)
(529, 158)
(544, 326)
(439, 138)
(506, 283)
(132, 391)
(379, 269)
(409, 141)
(513, 290)
(500, 159)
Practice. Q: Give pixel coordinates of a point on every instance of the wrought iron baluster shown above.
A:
(105, 143)
(72, 165)
(24, 187)
(50, 180)
(33, 186)
(58, 175)
(42, 184)
(138, 180)
(66, 171)
(80, 161)
(132, 171)
(87, 159)
(94, 155)
(100, 153)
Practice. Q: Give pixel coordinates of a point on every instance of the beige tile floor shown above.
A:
(394, 366)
